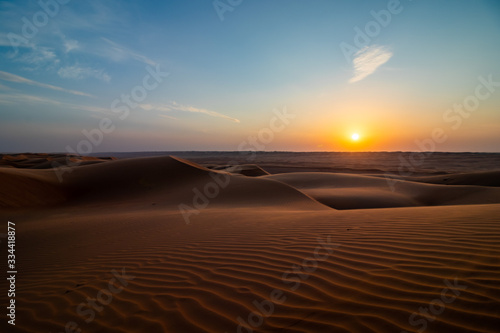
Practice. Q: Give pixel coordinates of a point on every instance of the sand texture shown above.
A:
(258, 252)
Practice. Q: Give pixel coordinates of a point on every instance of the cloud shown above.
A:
(70, 45)
(5, 41)
(28, 99)
(38, 57)
(148, 107)
(168, 117)
(19, 79)
(185, 108)
(123, 52)
(368, 60)
(4, 87)
(25, 98)
(77, 72)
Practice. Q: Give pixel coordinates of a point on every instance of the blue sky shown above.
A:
(225, 77)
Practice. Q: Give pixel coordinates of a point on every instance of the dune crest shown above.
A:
(167, 180)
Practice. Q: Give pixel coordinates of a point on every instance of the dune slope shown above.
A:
(165, 180)
(346, 191)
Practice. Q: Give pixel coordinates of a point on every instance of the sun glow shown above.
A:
(355, 136)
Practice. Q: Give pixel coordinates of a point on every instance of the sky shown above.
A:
(102, 76)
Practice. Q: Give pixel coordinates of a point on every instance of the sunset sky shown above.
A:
(331, 64)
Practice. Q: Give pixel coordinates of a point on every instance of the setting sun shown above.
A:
(355, 136)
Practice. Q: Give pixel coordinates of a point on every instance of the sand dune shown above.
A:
(251, 170)
(485, 178)
(345, 191)
(165, 180)
(26, 188)
(263, 256)
(176, 179)
(47, 161)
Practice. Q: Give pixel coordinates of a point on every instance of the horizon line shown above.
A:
(255, 151)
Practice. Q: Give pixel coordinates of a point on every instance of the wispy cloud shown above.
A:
(4, 41)
(185, 108)
(367, 60)
(168, 117)
(39, 57)
(25, 98)
(70, 45)
(19, 79)
(4, 87)
(32, 99)
(77, 72)
(124, 52)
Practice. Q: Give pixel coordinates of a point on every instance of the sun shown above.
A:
(355, 136)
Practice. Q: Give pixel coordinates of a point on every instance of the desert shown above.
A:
(110, 249)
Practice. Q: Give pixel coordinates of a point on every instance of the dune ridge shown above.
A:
(176, 178)
(171, 180)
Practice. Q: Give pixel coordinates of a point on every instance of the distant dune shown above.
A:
(484, 178)
(47, 161)
(258, 252)
(345, 191)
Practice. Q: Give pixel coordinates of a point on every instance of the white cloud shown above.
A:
(17, 98)
(39, 57)
(77, 72)
(185, 108)
(70, 45)
(368, 60)
(19, 79)
(123, 52)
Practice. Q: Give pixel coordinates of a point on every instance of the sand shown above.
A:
(295, 252)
